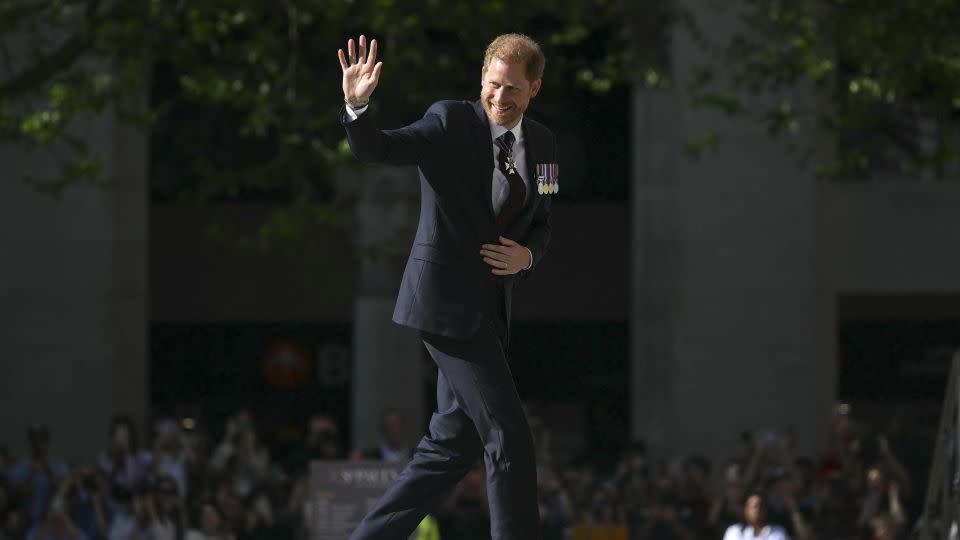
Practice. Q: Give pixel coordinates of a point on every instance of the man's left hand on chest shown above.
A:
(507, 257)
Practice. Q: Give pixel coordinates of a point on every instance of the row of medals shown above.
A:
(544, 186)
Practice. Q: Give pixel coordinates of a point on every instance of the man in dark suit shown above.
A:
(484, 223)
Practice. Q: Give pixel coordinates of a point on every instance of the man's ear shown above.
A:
(535, 87)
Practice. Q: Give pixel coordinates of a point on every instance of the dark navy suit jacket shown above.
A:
(446, 288)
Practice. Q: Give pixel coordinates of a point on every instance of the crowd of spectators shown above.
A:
(187, 485)
(856, 489)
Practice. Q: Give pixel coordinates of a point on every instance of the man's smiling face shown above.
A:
(506, 92)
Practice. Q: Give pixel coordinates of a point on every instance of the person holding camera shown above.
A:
(172, 455)
(36, 476)
(240, 456)
(123, 462)
(84, 495)
(166, 511)
(56, 523)
(322, 442)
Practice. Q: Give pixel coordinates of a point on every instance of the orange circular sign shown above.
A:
(286, 364)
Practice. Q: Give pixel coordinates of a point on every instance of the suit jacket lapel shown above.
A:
(530, 147)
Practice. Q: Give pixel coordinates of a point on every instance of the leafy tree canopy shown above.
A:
(877, 83)
(245, 92)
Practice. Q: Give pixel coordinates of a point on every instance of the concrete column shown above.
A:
(73, 296)
(128, 295)
(655, 260)
(724, 322)
(387, 370)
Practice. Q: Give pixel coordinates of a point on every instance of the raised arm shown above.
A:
(409, 145)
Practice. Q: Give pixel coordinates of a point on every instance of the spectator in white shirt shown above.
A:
(755, 526)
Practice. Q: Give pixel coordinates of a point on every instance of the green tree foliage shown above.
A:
(245, 93)
(876, 83)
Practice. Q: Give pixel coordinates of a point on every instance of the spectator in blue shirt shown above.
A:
(36, 476)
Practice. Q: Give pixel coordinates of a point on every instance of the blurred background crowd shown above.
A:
(191, 481)
(759, 206)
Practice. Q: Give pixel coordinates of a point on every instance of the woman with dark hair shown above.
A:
(755, 525)
(122, 462)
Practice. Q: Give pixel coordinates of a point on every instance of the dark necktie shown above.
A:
(518, 191)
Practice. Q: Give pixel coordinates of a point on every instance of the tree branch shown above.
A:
(63, 57)
(10, 17)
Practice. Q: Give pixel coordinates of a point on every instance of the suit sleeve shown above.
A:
(538, 238)
(408, 145)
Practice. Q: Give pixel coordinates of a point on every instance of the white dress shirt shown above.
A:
(500, 188)
(745, 532)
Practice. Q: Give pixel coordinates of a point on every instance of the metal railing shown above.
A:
(940, 505)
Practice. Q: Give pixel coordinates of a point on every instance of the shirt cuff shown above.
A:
(529, 266)
(354, 114)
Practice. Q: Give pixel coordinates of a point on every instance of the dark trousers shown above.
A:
(479, 413)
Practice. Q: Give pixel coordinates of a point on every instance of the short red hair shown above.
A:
(517, 49)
